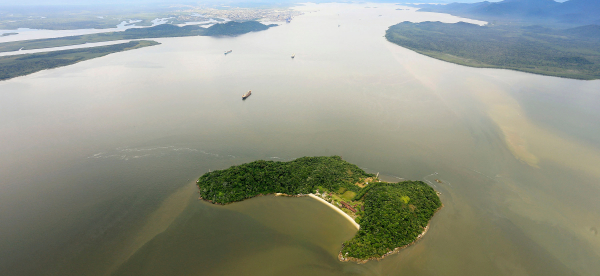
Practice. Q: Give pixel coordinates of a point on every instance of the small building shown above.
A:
(348, 207)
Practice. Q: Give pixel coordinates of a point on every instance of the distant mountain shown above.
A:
(570, 12)
(582, 33)
(580, 10)
(588, 31)
(534, 8)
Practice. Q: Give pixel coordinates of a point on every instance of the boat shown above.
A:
(293, 55)
(247, 94)
(227, 52)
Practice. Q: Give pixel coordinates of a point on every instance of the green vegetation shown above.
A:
(572, 53)
(165, 30)
(20, 65)
(233, 28)
(348, 195)
(364, 191)
(301, 176)
(394, 215)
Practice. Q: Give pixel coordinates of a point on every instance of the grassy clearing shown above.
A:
(348, 195)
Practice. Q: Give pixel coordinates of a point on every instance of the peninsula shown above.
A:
(21, 65)
(230, 28)
(569, 53)
(391, 215)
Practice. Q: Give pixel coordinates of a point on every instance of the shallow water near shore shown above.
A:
(98, 159)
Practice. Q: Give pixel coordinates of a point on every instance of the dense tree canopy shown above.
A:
(301, 176)
(570, 53)
(20, 65)
(394, 213)
(164, 30)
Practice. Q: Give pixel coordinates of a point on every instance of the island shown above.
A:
(230, 28)
(568, 53)
(21, 65)
(391, 216)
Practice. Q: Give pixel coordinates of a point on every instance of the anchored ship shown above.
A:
(247, 94)
(227, 52)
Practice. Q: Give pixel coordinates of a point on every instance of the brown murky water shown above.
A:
(98, 159)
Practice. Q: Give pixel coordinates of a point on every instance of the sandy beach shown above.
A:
(337, 210)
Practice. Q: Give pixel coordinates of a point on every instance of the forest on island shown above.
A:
(301, 176)
(395, 214)
(392, 214)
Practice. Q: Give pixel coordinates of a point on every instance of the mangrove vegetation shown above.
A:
(230, 28)
(20, 65)
(569, 53)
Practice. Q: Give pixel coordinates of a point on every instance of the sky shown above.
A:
(246, 3)
(134, 2)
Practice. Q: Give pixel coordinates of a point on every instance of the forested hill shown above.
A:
(233, 28)
(230, 28)
(395, 215)
(579, 12)
(391, 215)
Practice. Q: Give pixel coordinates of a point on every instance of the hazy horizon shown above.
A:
(209, 2)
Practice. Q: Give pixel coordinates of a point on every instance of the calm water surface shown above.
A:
(98, 159)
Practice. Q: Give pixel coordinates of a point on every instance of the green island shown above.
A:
(20, 65)
(391, 215)
(568, 53)
(230, 28)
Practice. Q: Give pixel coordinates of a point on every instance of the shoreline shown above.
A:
(392, 252)
(350, 219)
(337, 210)
(340, 256)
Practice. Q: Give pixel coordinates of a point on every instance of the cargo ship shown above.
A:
(247, 94)
(227, 52)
